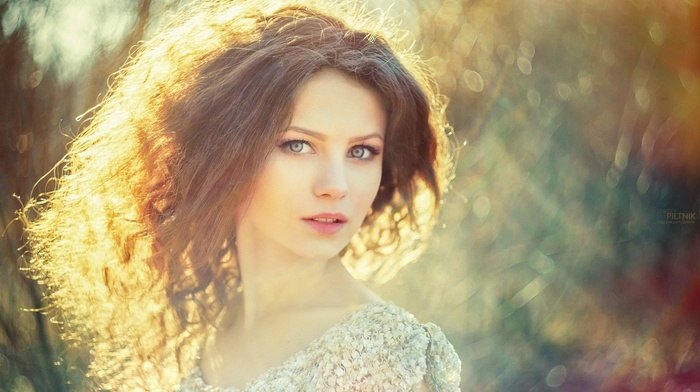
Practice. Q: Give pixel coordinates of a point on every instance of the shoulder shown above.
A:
(382, 347)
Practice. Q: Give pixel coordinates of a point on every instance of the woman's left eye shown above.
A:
(363, 152)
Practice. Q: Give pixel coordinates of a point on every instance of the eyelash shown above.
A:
(285, 144)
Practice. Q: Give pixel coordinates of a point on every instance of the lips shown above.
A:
(326, 223)
(325, 220)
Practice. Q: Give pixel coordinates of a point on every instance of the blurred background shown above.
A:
(568, 253)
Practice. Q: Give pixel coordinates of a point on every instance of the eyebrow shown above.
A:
(323, 137)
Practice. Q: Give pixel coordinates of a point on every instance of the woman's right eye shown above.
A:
(296, 146)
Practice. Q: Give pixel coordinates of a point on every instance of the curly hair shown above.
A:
(135, 243)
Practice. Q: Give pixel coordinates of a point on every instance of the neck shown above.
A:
(272, 287)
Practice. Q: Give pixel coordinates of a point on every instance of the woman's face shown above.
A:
(319, 182)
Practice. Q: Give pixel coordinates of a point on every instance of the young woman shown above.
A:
(204, 222)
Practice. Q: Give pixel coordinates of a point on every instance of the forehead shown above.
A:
(332, 102)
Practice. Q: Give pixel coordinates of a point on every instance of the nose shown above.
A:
(331, 181)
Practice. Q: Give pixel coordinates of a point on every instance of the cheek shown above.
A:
(272, 186)
(284, 184)
(262, 195)
(367, 185)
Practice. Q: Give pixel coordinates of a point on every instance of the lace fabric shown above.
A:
(380, 347)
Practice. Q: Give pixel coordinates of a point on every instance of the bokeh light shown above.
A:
(566, 258)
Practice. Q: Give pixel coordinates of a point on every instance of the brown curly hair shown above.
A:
(135, 244)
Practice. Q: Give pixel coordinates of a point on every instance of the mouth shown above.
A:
(328, 223)
(326, 220)
(327, 217)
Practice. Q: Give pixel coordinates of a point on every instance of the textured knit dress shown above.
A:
(380, 347)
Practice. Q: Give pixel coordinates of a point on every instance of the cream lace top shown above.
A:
(381, 347)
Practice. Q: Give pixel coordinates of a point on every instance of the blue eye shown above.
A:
(363, 152)
(296, 146)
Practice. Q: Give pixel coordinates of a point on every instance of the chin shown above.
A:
(320, 253)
